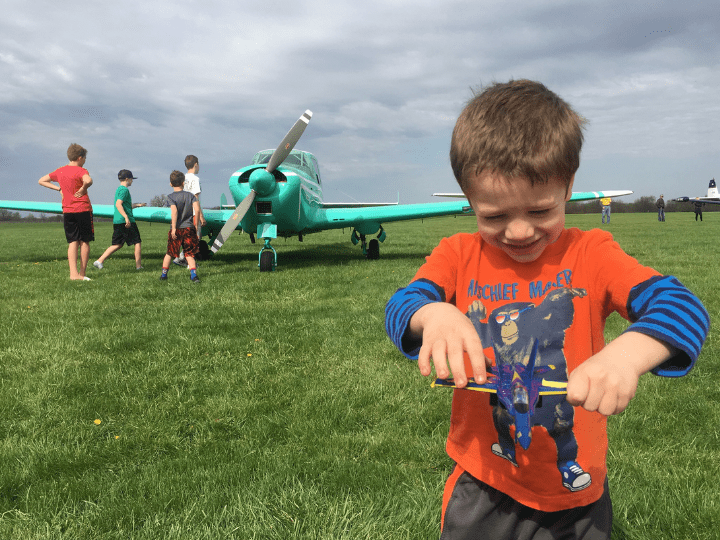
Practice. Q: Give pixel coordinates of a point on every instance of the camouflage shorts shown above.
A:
(185, 240)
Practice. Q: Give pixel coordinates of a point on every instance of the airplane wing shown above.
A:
(490, 387)
(576, 195)
(141, 213)
(701, 199)
(593, 195)
(552, 388)
(547, 388)
(154, 214)
(370, 219)
(356, 205)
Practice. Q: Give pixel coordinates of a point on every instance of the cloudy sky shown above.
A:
(142, 83)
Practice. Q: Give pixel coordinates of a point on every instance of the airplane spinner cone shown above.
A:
(264, 181)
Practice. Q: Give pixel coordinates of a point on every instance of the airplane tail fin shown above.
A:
(713, 190)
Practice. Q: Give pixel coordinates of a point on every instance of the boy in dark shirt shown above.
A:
(182, 234)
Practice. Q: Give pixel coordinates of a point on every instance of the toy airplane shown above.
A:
(713, 196)
(280, 194)
(518, 390)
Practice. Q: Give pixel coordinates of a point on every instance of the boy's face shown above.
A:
(520, 219)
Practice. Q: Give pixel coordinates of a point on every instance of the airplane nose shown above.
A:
(262, 182)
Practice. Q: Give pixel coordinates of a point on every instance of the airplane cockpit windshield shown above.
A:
(297, 159)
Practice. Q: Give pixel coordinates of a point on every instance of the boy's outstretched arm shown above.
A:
(607, 381)
(425, 327)
(447, 334)
(669, 327)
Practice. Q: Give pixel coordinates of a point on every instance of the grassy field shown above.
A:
(273, 406)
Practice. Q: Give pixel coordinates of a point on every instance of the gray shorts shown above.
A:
(478, 511)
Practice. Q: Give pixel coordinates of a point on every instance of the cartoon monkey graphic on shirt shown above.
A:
(512, 329)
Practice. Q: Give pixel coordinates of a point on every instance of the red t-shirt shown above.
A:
(70, 179)
(561, 300)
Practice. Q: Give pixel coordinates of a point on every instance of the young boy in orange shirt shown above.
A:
(525, 287)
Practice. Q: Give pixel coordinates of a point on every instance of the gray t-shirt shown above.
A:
(183, 200)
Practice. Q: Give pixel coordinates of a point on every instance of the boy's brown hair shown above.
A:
(517, 129)
(75, 152)
(190, 161)
(177, 179)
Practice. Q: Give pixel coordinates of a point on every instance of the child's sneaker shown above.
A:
(180, 261)
(139, 267)
(163, 277)
(573, 477)
(98, 265)
(195, 279)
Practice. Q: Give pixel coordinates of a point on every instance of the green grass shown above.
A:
(272, 405)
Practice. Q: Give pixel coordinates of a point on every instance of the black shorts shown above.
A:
(79, 227)
(125, 235)
(476, 510)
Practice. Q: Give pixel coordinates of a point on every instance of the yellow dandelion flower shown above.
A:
(97, 421)
(249, 354)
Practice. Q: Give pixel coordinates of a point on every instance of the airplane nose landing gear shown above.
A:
(267, 260)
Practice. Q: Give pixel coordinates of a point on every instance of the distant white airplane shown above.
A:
(713, 196)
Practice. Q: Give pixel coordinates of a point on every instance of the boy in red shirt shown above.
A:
(73, 181)
(525, 291)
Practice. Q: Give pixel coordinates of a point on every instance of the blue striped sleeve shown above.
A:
(402, 306)
(663, 308)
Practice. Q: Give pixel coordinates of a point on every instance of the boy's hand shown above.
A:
(446, 335)
(173, 233)
(603, 384)
(607, 381)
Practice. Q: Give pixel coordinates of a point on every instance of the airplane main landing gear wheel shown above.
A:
(373, 250)
(267, 260)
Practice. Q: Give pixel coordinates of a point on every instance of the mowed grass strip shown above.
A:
(272, 405)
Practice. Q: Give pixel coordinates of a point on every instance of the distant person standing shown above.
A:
(697, 206)
(605, 202)
(192, 185)
(660, 203)
(125, 230)
(74, 181)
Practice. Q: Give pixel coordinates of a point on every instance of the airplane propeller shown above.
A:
(262, 181)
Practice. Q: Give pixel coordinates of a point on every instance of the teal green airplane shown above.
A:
(280, 194)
